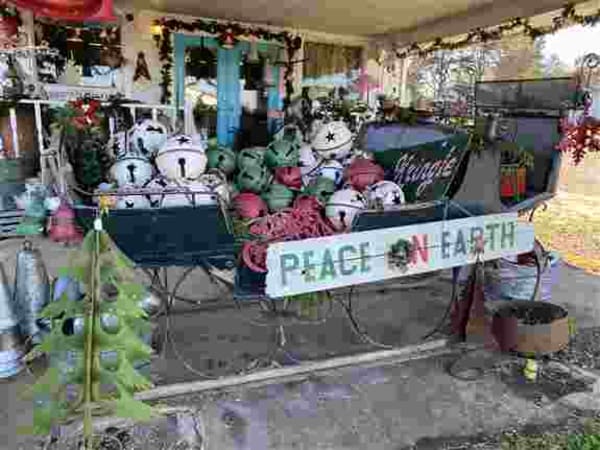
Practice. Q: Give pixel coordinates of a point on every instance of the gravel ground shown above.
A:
(584, 350)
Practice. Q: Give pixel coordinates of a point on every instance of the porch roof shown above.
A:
(401, 21)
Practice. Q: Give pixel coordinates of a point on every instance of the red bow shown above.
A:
(85, 113)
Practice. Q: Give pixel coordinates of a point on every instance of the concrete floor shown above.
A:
(377, 408)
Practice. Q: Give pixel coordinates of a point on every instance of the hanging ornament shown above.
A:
(62, 226)
(110, 323)
(141, 68)
(227, 39)
(109, 359)
(253, 56)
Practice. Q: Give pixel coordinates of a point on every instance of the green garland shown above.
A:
(568, 16)
(227, 33)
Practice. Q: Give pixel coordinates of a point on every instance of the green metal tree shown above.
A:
(94, 343)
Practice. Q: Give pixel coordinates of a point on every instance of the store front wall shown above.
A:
(229, 87)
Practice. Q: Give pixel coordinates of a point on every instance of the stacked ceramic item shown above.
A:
(159, 170)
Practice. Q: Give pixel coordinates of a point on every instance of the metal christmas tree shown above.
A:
(95, 342)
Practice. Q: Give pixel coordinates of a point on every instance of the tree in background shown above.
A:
(519, 58)
(555, 68)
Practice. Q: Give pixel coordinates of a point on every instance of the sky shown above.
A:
(570, 43)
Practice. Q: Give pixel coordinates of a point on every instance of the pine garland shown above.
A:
(225, 32)
(567, 17)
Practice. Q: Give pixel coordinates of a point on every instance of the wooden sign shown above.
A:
(330, 262)
(426, 170)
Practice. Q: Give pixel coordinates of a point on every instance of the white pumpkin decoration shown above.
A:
(332, 170)
(148, 137)
(217, 184)
(131, 201)
(156, 184)
(334, 140)
(343, 207)
(131, 169)
(308, 163)
(386, 194)
(181, 158)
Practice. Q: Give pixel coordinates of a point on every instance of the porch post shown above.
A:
(405, 64)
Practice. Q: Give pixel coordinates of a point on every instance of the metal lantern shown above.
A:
(222, 159)
(289, 176)
(148, 137)
(248, 205)
(333, 141)
(363, 173)
(131, 169)
(62, 226)
(343, 207)
(181, 158)
(250, 156)
(278, 196)
(322, 188)
(282, 153)
(252, 178)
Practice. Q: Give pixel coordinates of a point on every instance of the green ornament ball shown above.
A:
(222, 159)
(252, 178)
(277, 196)
(250, 157)
(322, 188)
(282, 153)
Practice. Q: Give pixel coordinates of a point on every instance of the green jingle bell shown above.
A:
(222, 159)
(282, 153)
(252, 178)
(322, 188)
(277, 196)
(254, 156)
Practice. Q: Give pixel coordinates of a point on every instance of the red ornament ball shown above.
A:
(249, 205)
(289, 176)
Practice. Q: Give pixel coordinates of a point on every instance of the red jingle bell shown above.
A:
(289, 176)
(62, 227)
(307, 203)
(249, 205)
(363, 173)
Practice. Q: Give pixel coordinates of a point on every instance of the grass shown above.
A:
(588, 440)
(571, 223)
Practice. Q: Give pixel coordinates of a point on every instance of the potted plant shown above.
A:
(10, 20)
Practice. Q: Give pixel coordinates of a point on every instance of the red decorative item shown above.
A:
(254, 255)
(508, 182)
(228, 39)
(9, 27)
(249, 205)
(71, 10)
(85, 113)
(61, 226)
(289, 176)
(307, 203)
(363, 173)
(521, 180)
(580, 135)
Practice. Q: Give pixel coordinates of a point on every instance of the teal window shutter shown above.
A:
(228, 94)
